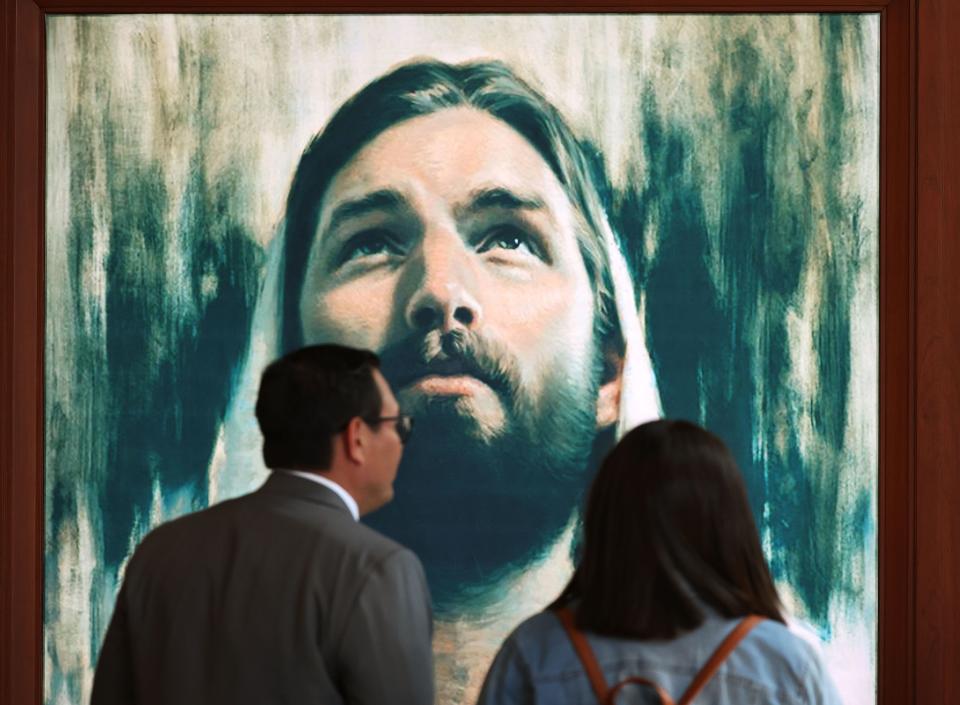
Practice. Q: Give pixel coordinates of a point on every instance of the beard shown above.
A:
(478, 501)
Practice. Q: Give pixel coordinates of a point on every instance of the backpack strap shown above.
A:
(719, 656)
(606, 695)
(585, 654)
(665, 698)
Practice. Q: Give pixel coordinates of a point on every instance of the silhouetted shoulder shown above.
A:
(321, 533)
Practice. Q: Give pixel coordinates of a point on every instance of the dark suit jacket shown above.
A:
(275, 597)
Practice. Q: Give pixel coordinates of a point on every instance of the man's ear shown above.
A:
(352, 440)
(611, 385)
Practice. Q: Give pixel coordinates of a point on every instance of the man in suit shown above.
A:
(281, 596)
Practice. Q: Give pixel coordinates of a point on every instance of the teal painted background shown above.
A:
(743, 155)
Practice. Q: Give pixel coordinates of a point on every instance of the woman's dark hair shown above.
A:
(425, 87)
(668, 528)
(308, 396)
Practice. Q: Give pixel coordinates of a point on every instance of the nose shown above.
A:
(443, 296)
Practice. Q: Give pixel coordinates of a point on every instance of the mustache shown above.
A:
(457, 352)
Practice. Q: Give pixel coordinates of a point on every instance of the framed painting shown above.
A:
(749, 269)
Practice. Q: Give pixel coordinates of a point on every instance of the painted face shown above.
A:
(451, 223)
(448, 246)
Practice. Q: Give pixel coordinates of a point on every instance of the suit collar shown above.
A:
(337, 488)
(285, 484)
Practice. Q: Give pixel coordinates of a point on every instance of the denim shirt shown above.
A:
(538, 665)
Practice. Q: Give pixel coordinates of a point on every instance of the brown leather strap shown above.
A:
(585, 653)
(606, 695)
(665, 698)
(595, 673)
(718, 657)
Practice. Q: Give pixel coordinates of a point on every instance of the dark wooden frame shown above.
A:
(919, 638)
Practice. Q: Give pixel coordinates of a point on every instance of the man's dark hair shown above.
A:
(425, 87)
(668, 528)
(308, 396)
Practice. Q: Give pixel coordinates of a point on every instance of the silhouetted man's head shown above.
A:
(328, 409)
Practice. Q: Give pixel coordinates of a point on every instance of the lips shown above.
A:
(447, 385)
(444, 378)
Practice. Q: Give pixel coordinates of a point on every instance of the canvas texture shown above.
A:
(741, 185)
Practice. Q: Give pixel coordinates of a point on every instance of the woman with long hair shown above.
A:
(671, 598)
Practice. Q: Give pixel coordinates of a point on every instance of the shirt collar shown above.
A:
(327, 482)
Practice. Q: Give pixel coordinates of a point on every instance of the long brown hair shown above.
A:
(668, 528)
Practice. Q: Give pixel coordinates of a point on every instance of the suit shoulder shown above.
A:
(372, 541)
(175, 533)
(192, 521)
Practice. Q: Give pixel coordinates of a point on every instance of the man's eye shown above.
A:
(509, 238)
(370, 243)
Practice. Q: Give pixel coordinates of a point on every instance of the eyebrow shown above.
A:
(389, 199)
(500, 197)
(380, 200)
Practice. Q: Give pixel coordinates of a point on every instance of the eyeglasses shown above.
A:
(404, 424)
